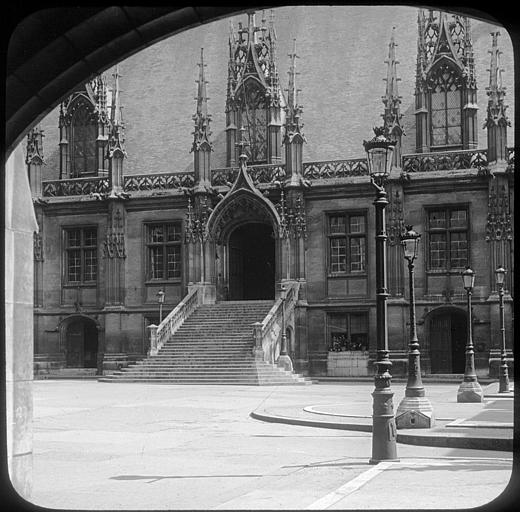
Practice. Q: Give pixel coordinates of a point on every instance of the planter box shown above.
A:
(347, 364)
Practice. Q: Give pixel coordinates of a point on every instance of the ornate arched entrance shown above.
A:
(447, 331)
(81, 342)
(245, 230)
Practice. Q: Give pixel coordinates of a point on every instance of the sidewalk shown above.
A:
(483, 426)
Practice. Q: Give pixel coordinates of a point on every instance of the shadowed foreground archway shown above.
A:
(52, 51)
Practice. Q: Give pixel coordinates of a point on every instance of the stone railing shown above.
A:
(159, 335)
(335, 169)
(158, 181)
(76, 187)
(445, 161)
(267, 334)
(268, 173)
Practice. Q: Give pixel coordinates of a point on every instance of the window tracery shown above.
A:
(83, 142)
(445, 106)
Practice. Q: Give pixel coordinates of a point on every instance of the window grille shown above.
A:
(347, 243)
(164, 251)
(81, 255)
(448, 247)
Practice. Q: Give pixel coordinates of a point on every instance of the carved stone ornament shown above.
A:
(395, 221)
(498, 226)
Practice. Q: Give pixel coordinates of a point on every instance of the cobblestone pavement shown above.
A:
(149, 446)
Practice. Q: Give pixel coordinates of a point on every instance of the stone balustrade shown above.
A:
(173, 181)
(159, 335)
(445, 161)
(271, 174)
(76, 187)
(335, 169)
(267, 334)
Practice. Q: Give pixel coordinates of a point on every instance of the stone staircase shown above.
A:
(213, 346)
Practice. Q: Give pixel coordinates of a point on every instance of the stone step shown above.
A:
(213, 346)
(193, 382)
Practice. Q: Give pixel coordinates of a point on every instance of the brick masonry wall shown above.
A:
(342, 51)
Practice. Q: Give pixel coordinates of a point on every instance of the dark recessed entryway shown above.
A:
(448, 331)
(82, 344)
(251, 262)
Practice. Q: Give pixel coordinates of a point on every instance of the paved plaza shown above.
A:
(150, 446)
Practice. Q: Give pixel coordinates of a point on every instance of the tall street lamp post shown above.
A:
(160, 300)
(503, 386)
(415, 410)
(379, 158)
(284, 359)
(469, 389)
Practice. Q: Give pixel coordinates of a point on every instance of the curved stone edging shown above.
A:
(441, 441)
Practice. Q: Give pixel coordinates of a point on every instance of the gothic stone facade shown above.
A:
(109, 242)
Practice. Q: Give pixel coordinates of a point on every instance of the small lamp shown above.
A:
(379, 154)
(500, 274)
(468, 277)
(410, 242)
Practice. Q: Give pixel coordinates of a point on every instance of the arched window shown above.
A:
(253, 118)
(83, 143)
(445, 107)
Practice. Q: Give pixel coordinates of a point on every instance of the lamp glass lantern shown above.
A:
(160, 296)
(468, 278)
(380, 152)
(410, 242)
(500, 275)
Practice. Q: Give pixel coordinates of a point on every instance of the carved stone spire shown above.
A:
(117, 137)
(293, 139)
(34, 153)
(392, 101)
(201, 135)
(201, 117)
(253, 87)
(497, 120)
(293, 109)
(34, 160)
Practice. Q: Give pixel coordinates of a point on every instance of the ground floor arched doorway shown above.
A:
(252, 262)
(447, 335)
(81, 343)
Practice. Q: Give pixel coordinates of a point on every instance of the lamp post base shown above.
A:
(284, 361)
(503, 382)
(469, 391)
(414, 412)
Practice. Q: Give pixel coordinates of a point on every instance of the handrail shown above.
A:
(173, 321)
(267, 333)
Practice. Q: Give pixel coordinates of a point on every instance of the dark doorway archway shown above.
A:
(81, 345)
(448, 331)
(252, 262)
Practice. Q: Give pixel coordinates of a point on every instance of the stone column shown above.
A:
(20, 224)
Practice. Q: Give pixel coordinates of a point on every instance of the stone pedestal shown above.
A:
(414, 412)
(284, 361)
(469, 391)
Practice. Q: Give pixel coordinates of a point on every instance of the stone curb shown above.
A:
(451, 440)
